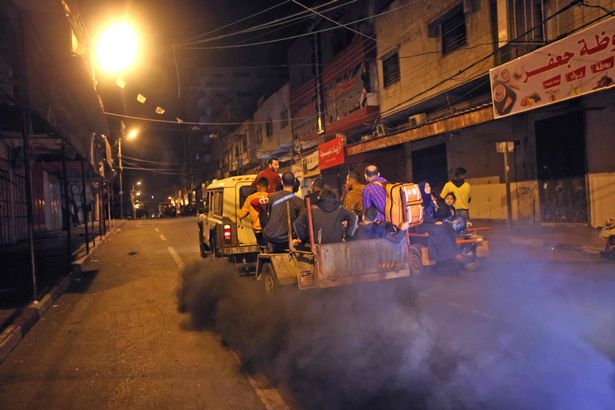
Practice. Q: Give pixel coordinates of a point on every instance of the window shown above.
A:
(244, 192)
(453, 30)
(269, 127)
(390, 69)
(259, 135)
(284, 118)
(217, 202)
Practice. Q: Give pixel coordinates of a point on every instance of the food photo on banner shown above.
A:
(576, 65)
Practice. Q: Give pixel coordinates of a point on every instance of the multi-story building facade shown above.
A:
(222, 98)
(437, 114)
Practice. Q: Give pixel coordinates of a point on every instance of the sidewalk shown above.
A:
(51, 264)
(568, 237)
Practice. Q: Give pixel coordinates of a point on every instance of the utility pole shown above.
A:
(505, 148)
(119, 154)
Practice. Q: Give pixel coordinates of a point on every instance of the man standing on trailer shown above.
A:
(271, 173)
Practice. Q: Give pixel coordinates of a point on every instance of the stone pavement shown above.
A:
(566, 237)
(50, 251)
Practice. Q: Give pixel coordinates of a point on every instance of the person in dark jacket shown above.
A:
(316, 186)
(371, 228)
(278, 207)
(441, 240)
(331, 221)
(446, 206)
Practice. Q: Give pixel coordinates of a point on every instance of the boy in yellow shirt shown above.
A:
(248, 209)
(462, 191)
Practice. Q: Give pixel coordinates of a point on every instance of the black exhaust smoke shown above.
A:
(378, 346)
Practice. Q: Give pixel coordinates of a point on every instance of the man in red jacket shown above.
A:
(271, 173)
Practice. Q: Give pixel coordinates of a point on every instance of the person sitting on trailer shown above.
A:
(374, 194)
(354, 193)
(441, 240)
(446, 206)
(330, 220)
(315, 187)
(371, 228)
(278, 207)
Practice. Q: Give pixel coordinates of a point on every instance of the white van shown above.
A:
(220, 231)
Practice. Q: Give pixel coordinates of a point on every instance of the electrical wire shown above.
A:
(284, 21)
(151, 162)
(395, 109)
(311, 33)
(337, 23)
(134, 117)
(239, 21)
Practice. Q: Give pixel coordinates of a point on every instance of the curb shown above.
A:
(29, 315)
(560, 246)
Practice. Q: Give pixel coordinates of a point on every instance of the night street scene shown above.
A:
(307, 204)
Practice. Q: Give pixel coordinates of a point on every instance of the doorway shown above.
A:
(561, 163)
(430, 164)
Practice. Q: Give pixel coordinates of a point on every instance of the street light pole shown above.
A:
(119, 142)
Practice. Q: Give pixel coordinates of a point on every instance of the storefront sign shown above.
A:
(331, 153)
(310, 162)
(576, 65)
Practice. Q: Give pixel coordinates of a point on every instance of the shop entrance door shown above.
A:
(560, 158)
(430, 164)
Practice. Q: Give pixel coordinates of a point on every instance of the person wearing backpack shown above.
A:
(331, 221)
(374, 194)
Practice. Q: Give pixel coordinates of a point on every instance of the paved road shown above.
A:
(535, 328)
(116, 340)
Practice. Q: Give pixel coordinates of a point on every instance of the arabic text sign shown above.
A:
(578, 64)
(331, 153)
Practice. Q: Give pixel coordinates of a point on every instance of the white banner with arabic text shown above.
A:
(578, 64)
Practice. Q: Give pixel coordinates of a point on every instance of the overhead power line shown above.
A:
(333, 21)
(239, 21)
(152, 162)
(311, 33)
(284, 21)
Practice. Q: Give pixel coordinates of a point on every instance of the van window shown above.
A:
(217, 202)
(244, 192)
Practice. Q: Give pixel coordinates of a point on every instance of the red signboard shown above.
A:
(331, 153)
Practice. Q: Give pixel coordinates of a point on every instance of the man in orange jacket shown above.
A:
(249, 209)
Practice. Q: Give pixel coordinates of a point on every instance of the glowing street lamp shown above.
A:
(117, 48)
(138, 182)
(132, 134)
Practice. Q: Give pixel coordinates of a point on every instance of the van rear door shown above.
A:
(245, 234)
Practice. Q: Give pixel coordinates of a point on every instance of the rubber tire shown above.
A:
(204, 251)
(415, 263)
(270, 282)
(472, 266)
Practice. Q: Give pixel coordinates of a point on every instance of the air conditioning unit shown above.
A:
(417, 119)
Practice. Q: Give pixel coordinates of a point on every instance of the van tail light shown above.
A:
(227, 233)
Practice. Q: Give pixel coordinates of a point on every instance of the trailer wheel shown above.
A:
(269, 279)
(415, 261)
(204, 250)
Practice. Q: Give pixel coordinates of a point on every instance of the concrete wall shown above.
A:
(272, 109)
(422, 64)
(474, 149)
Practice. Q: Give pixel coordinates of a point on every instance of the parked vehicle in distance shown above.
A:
(220, 231)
